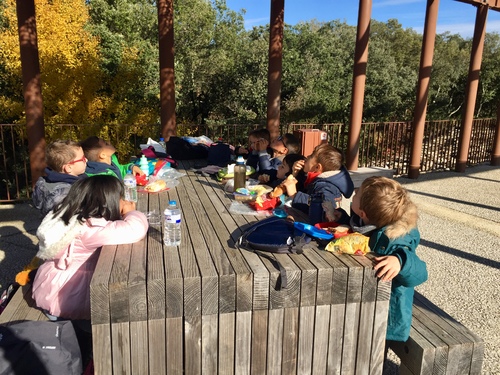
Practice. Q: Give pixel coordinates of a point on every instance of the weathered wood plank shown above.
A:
(175, 346)
(209, 343)
(260, 327)
(321, 336)
(336, 338)
(305, 339)
(138, 305)
(274, 342)
(192, 344)
(290, 340)
(226, 343)
(243, 342)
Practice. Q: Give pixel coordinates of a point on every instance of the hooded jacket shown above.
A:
(332, 184)
(51, 189)
(115, 168)
(401, 239)
(62, 282)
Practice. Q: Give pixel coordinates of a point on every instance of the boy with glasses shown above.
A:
(66, 164)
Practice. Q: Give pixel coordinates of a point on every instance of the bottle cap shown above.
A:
(240, 159)
(172, 203)
(162, 139)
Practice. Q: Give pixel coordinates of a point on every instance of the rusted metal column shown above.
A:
(495, 155)
(274, 68)
(424, 77)
(32, 89)
(472, 85)
(358, 83)
(167, 83)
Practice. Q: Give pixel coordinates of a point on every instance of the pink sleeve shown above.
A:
(132, 228)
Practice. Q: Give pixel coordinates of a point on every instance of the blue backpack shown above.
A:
(276, 236)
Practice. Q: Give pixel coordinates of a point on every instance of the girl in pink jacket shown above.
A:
(92, 215)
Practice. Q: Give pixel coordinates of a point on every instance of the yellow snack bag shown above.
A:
(353, 243)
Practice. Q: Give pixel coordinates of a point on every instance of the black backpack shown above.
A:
(39, 347)
(274, 235)
(219, 154)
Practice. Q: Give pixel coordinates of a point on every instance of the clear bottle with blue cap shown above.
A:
(172, 228)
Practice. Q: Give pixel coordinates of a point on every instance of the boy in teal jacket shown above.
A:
(101, 159)
(384, 205)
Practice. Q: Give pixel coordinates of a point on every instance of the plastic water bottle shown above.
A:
(163, 144)
(172, 232)
(144, 165)
(240, 173)
(130, 187)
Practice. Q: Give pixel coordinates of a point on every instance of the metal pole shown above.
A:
(275, 65)
(167, 83)
(424, 77)
(32, 90)
(472, 86)
(358, 83)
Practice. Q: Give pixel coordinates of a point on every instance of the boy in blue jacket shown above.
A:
(322, 175)
(384, 205)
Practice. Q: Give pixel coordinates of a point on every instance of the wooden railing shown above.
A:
(382, 144)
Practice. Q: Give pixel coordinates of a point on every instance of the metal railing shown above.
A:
(382, 144)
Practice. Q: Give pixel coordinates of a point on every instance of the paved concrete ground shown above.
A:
(460, 229)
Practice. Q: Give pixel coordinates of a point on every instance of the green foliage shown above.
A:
(99, 63)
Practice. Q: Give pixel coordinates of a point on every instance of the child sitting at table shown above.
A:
(385, 205)
(66, 164)
(101, 156)
(285, 169)
(282, 146)
(324, 179)
(257, 155)
(92, 215)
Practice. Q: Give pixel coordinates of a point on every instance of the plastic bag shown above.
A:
(244, 209)
(353, 243)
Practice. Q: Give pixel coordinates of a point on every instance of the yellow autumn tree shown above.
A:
(69, 61)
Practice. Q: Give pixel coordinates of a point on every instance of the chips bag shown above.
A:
(353, 243)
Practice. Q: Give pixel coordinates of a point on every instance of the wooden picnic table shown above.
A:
(208, 307)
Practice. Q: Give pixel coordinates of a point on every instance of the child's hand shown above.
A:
(388, 267)
(126, 206)
(136, 170)
(297, 167)
(263, 178)
(290, 185)
(261, 144)
(330, 212)
(242, 150)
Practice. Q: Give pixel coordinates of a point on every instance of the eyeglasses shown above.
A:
(84, 159)
(282, 139)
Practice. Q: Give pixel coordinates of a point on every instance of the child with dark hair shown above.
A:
(93, 214)
(257, 155)
(384, 205)
(282, 146)
(101, 156)
(324, 177)
(285, 169)
(66, 164)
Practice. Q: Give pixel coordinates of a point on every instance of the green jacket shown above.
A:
(113, 169)
(401, 239)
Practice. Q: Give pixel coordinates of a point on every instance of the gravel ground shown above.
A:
(459, 225)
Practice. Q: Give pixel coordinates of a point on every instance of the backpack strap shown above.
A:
(283, 279)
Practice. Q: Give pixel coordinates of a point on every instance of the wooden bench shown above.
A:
(21, 308)
(438, 344)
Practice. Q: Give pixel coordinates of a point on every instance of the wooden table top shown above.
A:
(207, 274)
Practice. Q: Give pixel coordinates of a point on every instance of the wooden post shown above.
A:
(167, 83)
(495, 155)
(32, 90)
(275, 65)
(472, 86)
(424, 77)
(358, 83)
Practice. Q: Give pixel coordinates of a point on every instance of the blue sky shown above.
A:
(453, 16)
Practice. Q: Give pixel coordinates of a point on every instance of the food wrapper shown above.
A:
(353, 243)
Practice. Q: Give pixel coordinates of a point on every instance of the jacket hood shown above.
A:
(53, 176)
(96, 167)
(54, 235)
(341, 179)
(404, 225)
